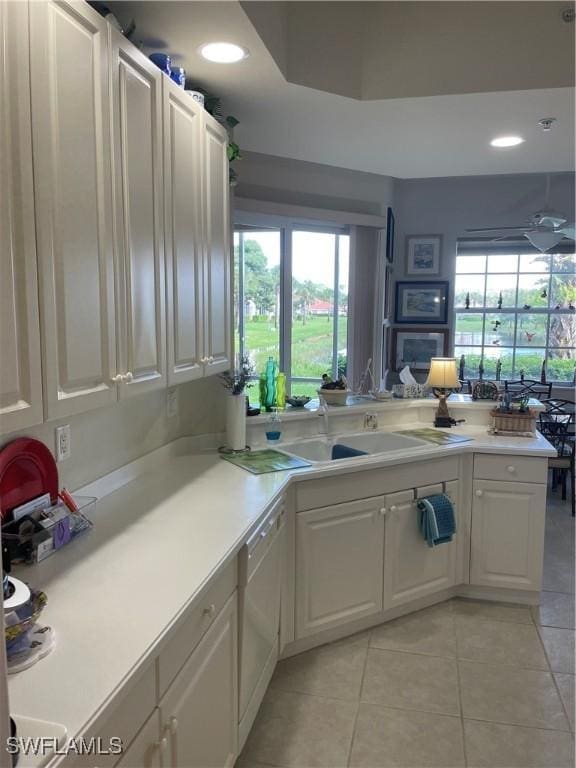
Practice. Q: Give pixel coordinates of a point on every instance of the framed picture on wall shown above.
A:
(422, 302)
(423, 254)
(388, 283)
(390, 223)
(416, 346)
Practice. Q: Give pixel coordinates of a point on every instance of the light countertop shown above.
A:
(157, 541)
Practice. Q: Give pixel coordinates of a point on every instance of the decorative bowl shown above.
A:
(298, 401)
(334, 396)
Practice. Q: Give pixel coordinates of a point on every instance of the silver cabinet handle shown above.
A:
(393, 508)
(117, 379)
(479, 493)
(128, 377)
(511, 469)
(203, 360)
(173, 725)
(210, 610)
(383, 511)
(162, 744)
(211, 359)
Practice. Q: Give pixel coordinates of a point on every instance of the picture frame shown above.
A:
(416, 346)
(423, 254)
(390, 225)
(421, 302)
(388, 284)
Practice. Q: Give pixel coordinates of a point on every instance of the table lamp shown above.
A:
(443, 377)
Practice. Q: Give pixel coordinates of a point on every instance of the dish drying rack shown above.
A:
(44, 532)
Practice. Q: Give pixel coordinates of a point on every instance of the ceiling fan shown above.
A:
(544, 229)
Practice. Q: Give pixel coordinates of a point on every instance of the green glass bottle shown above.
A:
(262, 391)
(281, 390)
(270, 377)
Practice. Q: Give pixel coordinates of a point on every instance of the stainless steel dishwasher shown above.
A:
(259, 565)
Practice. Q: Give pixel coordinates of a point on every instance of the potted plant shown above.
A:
(236, 382)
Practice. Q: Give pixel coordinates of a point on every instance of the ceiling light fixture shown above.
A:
(223, 53)
(506, 141)
(544, 240)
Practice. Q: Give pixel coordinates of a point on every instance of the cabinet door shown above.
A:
(507, 534)
(20, 371)
(137, 137)
(183, 241)
(200, 709)
(217, 285)
(70, 122)
(339, 552)
(411, 568)
(145, 750)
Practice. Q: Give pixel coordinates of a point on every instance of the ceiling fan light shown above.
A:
(544, 240)
(502, 142)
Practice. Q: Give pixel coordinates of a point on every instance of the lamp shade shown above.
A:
(443, 374)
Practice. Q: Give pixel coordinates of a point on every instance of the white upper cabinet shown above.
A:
(20, 370)
(137, 142)
(217, 283)
(70, 119)
(183, 119)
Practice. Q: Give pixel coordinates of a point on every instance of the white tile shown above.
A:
(392, 738)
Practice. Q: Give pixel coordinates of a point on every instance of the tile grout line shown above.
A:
(554, 681)
(349, 757)
(460, 694)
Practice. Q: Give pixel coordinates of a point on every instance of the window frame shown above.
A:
(518, 249)
(287, 226)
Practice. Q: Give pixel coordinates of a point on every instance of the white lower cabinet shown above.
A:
(507, 534)
(146, 750)
(339, 559)
(412, 569)
(199, 711)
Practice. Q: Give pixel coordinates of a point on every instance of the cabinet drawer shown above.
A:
(521, 469)
(188, 633)
(311, 494)
(123, 719)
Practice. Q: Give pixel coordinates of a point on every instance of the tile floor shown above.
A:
(465, 683)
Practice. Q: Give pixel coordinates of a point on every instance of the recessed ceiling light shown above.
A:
(223, 53)
(507, 141)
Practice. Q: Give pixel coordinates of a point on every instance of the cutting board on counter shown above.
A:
(267, 460)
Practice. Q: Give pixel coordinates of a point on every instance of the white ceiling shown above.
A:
(416, 137)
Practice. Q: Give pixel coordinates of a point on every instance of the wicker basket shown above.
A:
(515, 423)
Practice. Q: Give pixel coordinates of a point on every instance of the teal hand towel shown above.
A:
(436, 519)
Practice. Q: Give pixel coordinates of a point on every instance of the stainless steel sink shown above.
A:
(319, 449)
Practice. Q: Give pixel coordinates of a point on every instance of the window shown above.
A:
(521, 312)
(291, 301)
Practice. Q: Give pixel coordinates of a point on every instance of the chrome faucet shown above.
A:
(324, 426)
(370, 421)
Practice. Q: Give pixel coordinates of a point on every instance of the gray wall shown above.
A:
(450, 205)
(265, 177)
(107, 438)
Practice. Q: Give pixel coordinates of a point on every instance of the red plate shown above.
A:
(27, 470)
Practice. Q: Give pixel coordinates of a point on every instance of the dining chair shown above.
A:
(528, 387)
(561, 437)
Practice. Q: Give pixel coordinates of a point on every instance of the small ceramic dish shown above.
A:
(298, 401)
